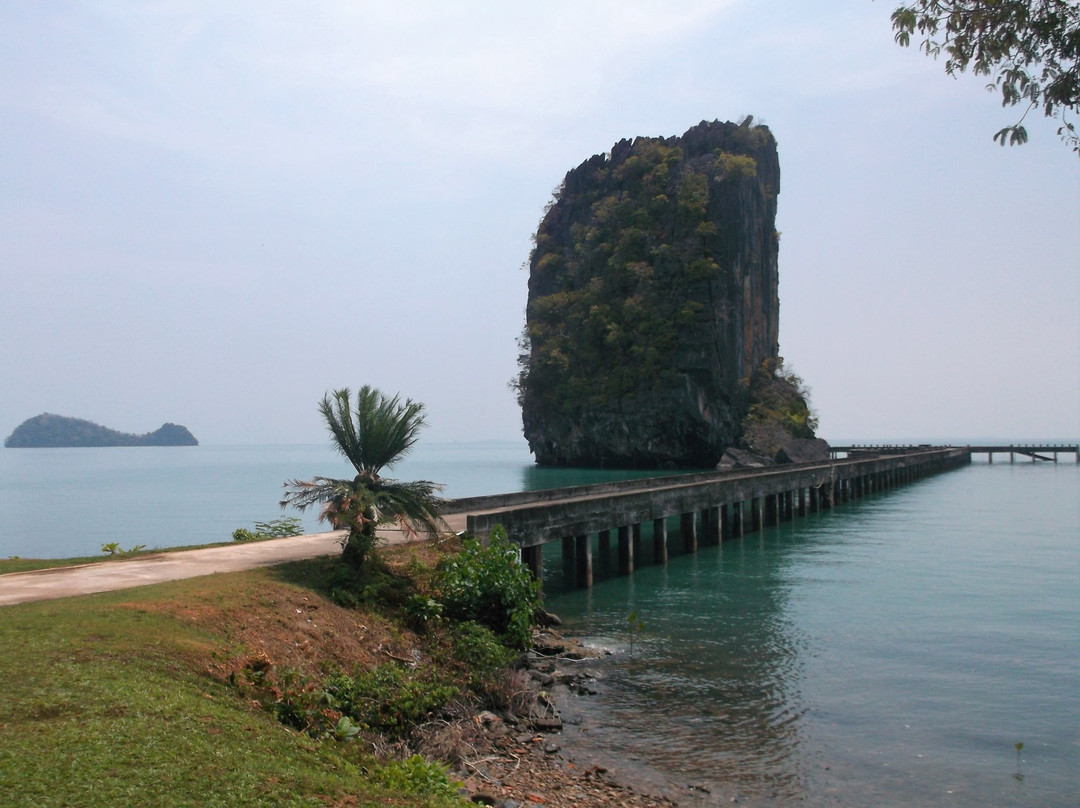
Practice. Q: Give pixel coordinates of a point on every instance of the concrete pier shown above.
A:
(709, 505)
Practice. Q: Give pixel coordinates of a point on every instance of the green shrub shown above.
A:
(423, 611)
(375, 584)
(274, 529)
(113, 549)
(297, 701)
(479, 649)
(389, 698)
(416, 776)
(490, 586)
(280, 528)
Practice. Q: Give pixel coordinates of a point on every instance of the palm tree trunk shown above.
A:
(359, 545)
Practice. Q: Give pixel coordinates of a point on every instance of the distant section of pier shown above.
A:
(1042, 452)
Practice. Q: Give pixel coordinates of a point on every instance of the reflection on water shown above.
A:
(538, 478)
(712, 692)
(890, 652)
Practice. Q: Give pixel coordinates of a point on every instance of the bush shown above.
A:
(373, 585)
(296, 700)
(274, 529)
(113, 549)
(416, 776)
(479, 649)
(389, 698)
(423, 611)
(490, 586)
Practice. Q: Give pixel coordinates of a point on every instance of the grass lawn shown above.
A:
(119, 699)
(29, 564)
(17, 564)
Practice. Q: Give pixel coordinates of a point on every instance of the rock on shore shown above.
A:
(522, 763)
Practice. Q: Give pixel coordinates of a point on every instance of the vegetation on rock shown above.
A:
(779, 409)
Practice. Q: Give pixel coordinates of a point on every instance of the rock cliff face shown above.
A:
(54, 431)
(652, 299)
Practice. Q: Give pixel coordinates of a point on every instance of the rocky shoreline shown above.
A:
(525, 761)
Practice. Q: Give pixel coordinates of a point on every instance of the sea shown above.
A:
(919, 646)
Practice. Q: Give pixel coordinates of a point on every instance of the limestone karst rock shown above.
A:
(653, 296)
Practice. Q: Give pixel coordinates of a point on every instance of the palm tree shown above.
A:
(380, 432)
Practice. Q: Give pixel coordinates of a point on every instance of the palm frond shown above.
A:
(302, 494)
(414, 506)
(338, 416)
(363, 500)
(374, 431)
(387, 427)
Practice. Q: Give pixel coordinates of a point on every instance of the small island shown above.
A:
(48, 431)
(653, 315)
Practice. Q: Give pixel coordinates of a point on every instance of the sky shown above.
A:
(212, 213)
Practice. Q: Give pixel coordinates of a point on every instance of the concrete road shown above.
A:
(106, 576)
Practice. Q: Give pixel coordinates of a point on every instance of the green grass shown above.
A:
(16, 564)
(106, 704)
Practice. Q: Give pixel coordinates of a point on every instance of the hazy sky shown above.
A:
(213, 212)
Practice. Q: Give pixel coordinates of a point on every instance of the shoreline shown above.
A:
(529, 766)
(528, 762)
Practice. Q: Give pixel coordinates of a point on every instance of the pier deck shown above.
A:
(709, 506)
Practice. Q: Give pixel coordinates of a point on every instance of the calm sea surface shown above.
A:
(890, 652)
(58, 503)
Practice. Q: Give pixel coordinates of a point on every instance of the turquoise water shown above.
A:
(57, 503)
(889, 652)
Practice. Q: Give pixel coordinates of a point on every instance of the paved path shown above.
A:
(106, 576)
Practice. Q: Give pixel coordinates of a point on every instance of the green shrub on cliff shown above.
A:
(779, 408)
(621, 284)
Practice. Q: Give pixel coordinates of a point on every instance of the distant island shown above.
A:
(48, 431)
